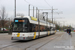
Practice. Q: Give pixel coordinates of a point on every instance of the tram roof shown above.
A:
(35, 20)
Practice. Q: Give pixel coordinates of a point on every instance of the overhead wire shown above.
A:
(48, 3)
(29, 3)
(35, 6)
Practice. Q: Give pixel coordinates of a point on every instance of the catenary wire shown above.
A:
(48, 3)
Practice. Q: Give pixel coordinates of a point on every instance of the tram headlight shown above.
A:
(14, 34)
(23, 34)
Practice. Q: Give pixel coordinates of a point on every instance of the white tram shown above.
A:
(27, 27)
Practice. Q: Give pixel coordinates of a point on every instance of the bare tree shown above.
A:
(3, 17)
(3, 14)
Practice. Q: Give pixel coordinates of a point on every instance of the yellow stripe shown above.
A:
(34, 35)
(18, 34)
(33, 18)
(48, 32)
(55, 31)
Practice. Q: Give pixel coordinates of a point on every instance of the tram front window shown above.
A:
(18, 26)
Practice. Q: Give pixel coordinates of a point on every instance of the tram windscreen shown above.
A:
(20, 26)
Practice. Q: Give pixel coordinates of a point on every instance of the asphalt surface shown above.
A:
(59, 41)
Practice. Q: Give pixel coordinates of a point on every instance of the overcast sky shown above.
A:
(66, 6)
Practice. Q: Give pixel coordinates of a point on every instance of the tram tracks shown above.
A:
(54, 37)
(36, 43)
(45, 38)
(47, 42)
(21, 43)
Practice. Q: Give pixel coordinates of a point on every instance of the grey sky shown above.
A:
(66, 6)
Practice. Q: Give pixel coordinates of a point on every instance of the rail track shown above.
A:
(43, 39)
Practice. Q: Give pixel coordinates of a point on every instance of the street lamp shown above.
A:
(15, 9)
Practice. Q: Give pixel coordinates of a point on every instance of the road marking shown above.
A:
(60, 37)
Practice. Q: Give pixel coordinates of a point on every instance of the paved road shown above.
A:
(59, 41)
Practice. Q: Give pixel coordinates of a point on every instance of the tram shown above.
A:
(28, 27)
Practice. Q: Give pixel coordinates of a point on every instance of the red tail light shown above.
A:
(12, 37)
(24, 38)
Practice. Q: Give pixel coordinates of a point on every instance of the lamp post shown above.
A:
(15, 9)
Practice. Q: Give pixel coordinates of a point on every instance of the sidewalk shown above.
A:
(65, 42)
(3, 33)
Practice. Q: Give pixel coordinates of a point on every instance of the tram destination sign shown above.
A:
(19, 20)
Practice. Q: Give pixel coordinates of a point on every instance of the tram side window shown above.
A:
(32, 27)
(53, 29)
(35, 28)
(48, 28)
(43, 28)
(26, 27)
